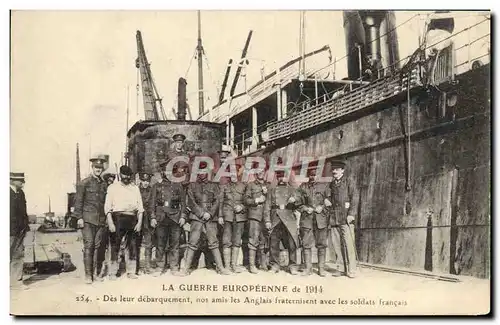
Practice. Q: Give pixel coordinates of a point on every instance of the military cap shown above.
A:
(98, 160)
(178, 137)
(17, 176)
(337, 163)
(280, 173)
(145, 176)
(126, 170)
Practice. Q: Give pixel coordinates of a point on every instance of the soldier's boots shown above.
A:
(131, 269)
(293, 270)
(321, 262)
(187, 264)
(218, 262)
(88, 262)
(251, 261)
(234, 260)
(113, 270)
(147, 262)
(226, 252)
(275, 268)
(308, 263)
(263, 260)
(161, 268)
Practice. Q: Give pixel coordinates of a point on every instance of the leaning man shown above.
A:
(19, 226)
(124, 212)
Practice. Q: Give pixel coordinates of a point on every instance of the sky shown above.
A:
(70, 71)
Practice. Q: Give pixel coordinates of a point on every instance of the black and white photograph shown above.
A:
(250, 162)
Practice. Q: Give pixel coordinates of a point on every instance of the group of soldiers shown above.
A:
(179, 220)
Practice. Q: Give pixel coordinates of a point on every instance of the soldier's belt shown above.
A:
(281, 207)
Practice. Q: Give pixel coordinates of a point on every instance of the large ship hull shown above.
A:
(426, 208)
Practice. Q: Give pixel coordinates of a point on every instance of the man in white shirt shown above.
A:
(124, 212)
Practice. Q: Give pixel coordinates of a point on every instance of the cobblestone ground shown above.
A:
(371, 292)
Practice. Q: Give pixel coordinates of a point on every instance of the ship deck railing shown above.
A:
(365, 96)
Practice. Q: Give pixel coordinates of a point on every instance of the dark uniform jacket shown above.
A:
(19, 220)
(343, 201)
(204, 196)
(145, 193)
(89, 200)
(167, 200)
(254, 190)
(313, 194)
(278, 209)
(233, 194)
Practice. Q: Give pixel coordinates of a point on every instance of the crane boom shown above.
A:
(153, 107)
(238, 71)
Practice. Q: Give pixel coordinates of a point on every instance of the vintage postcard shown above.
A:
(250, 162)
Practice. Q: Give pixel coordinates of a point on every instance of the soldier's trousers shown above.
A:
(121, 241)
(232, 234)
(203, 248)
(196, 231)
(314, 237)
(16, 258)
(169, 235)
(347, 248)
(280, 234)
(148, 234)
(256, 239)
(94, 238)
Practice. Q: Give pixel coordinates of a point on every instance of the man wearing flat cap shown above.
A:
(19, 226)
(89, 210)
(124, 212)
(167, 203)
(342, 215)
(148, 232)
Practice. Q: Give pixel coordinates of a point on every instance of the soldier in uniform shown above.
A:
(314, 220)
(281, 221)
(233, 211)
(19, 226)
(148, 232)
(343, 205)
(255, 199)
(177, 147)
(204, 198)
(167, 203)
(89, 210)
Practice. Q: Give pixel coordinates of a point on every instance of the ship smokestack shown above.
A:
(371, 42)
(355, 43)
(181, 100)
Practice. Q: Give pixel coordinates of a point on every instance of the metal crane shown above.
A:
(153, 107)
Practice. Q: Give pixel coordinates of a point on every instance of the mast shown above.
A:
(50, 209)
(78, 178)
(199, 52)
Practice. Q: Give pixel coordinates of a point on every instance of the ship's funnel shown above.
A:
(355, 43)
(371, 42)
(181, 99)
